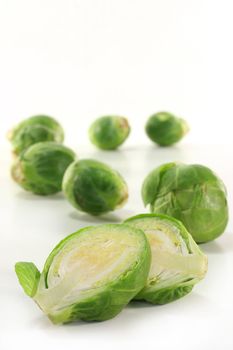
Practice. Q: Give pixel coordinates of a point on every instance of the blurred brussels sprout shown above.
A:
(193, 194)
(41, 167)
(90, 275)
(94, 187)
(35, 129)
(177, 262)
(165, 129)
(109, 132)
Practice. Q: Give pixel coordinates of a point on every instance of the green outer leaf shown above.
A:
(167, 295)
(40, 169)
(94, 187)
(109, 132)
(28, 276)
(35, 129)
(154, 294)
(151, 184)
(191, 193)
(108, 300)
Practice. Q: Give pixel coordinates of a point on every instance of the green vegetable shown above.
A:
(41, 167)
(109, 132)
(193, 194)
(94, 187)
(35, 129)
(29, 277)
(177, 262)
(165, 129)
(90, 275)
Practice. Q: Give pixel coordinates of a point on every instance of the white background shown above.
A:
(77, 60)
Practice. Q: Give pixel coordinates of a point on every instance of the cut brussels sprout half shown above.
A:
(165, 129)
(94, 187)
(193, 194)
(177, 262)
(109, 132)
(35, 129)
(90, 275)
(41, 167)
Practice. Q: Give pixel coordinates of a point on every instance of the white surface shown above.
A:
(76, 60)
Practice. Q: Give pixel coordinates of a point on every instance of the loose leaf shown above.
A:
(28, 276)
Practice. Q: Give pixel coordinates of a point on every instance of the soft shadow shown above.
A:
(35, 197)
(165, 154)
(221, 245)
(107, 155)
(42, 322)
(81, 323)
(95, 219)
(146, 147)
(212, 248)
(194, 297)
(111, 217)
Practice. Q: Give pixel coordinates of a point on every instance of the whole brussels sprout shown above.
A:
(193, 194)
(35, 129)
(109, 132)
(94, 187)
(90, 275)
(165, 129)
(41, 167)
(177, 261)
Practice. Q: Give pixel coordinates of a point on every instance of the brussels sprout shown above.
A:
(177, 262)
(90, 275)
(193, 194)
(94, 187)
(35, 129)
(165, 129)
(109, 132)
(41, 167)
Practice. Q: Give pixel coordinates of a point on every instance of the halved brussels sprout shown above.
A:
(165, 129)
(94, 187)
(109, 132)
(177, 262)
(41, 167)
(90, 275)
(193, 194)
(35, 129)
